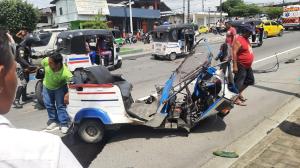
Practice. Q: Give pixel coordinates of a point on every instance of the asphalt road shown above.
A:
(136, 146)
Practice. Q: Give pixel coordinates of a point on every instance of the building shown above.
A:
(144, 14)
(198, 18)
(71, 13)
(207, 18)
(46, 18)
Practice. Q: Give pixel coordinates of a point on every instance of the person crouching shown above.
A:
(55, 87)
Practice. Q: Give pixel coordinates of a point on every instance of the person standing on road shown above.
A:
(23, 56)
(55, 87)
(242, 61)
(226, 48)
(21, 148)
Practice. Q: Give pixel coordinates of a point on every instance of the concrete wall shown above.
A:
(69, 11)
(204, 18)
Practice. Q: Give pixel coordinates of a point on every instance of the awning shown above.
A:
(136, 12)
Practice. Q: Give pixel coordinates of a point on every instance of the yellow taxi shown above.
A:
(203, 29)
(272, 28)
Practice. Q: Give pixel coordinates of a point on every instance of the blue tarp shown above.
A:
(136, 13)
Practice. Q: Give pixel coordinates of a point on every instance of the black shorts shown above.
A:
(244, 77)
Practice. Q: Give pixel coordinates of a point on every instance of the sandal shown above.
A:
(242, 98)
(240, 103)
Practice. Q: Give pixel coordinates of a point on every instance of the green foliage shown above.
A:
(274, 12)
(16, 14)
(239, 8)
(97, 23)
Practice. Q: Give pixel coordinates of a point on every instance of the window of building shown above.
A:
(43, 19)
(60, 11)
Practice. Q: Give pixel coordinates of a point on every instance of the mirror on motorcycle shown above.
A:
(118, 49)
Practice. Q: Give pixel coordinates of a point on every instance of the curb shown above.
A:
(135, 56)
(263, 145)
(247, 141)
(131, 51)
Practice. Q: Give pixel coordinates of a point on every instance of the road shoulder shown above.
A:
(280, 148)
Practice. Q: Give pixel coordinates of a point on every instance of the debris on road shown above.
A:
(226, 154)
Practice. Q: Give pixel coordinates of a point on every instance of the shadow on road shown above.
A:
(85, 153)
(277, 90)
(291, 128)
(210, 124)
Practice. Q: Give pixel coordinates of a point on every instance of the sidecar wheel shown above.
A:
(172, 56)
(38, 92)
(91, 131)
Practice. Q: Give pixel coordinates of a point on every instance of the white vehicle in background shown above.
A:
(291, 16)
(170, 41)
(47, 41)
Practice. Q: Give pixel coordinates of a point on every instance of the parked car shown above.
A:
(47, 41)
(272, 28)
(203, 29)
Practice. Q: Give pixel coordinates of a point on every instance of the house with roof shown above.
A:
(71, 13)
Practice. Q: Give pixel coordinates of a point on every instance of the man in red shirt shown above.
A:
(242, 61)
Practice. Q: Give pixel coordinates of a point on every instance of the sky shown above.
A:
(196, 5)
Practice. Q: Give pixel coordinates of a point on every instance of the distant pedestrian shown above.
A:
(21, 148)
(55, 87)
(242, 61)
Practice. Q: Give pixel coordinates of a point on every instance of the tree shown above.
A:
(98, 23)
(16, 14)
(229, 5)
(274, 12)
(239, 8)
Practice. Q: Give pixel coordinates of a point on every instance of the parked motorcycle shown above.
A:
(130, 39)
(146, 38)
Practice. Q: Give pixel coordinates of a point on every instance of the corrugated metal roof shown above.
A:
(137, 13)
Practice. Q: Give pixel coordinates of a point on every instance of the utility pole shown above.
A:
(183, 11)
(209, 17)
(189, 11)
(203, 5)
(130, 15)
(221, 17)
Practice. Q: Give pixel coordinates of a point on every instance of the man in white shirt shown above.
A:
(19, 147)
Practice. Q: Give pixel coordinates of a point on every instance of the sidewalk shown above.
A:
(279, 149)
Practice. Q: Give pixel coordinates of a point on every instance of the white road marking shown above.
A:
(272, 56)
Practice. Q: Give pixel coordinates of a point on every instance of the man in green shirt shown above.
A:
(55, 87)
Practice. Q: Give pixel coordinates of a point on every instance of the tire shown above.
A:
(118, 65)
(172, 56)
(155, 57)
(39, 92)
(281, 33)
(265, 35)
(91, 131)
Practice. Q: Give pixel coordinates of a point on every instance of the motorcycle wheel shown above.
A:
(91, 131)
(38, 92)
(172, 56)
(118, 65)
